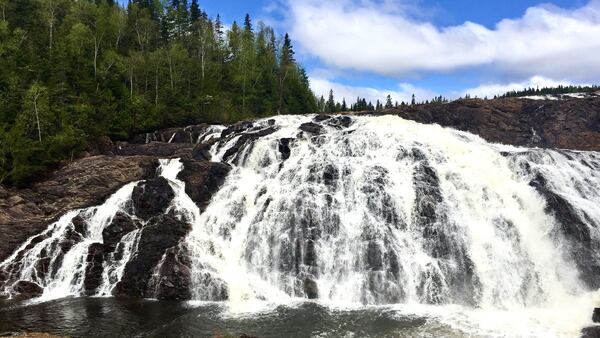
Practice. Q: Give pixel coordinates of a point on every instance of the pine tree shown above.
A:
(330, 105)
(195, 11)
(247, 23)
(388, 102)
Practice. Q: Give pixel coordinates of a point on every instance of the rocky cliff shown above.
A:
(570, 123)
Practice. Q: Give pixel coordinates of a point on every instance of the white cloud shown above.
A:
(490, 90)
(384, 38)
(321, 86)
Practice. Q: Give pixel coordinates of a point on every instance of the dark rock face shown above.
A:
(284, 148)
(119, 227)
(311, 289)
(591, 332)
(26, 290)
(574, 230)
(175, 276)
(237, 128)
(152, 197)
(321, 117)
(161, 233)
(374, 256)
(203, 179)
(245, 140)
(312, 128)
(82, 183)
(201, 152)
(187, 134)
(71, 238)
(340, 122)
(566, 124)
(596, 315)
(80, 225)
(440, 239)
(94, 268)
(158, 149)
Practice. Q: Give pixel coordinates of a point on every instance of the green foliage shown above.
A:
(72, 71)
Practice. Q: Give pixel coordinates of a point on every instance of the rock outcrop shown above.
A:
(152, 197)
(160, 234)
(202, 179)
(568, 124)
(82, 183)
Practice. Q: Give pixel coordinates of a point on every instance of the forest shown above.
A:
(74, 71)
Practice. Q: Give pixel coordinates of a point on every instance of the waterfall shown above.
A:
(391, 211)
(361, 210)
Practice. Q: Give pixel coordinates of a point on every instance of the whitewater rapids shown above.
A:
(380, 212)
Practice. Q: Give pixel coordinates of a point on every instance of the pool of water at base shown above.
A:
(111, 317)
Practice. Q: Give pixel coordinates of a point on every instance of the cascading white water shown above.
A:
(391, 211)
(66, 249)
(383, 211)
(63, 248)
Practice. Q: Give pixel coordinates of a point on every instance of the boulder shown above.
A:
(80, 225)
(203, 179)
(70, 238)
(311, 289)
(321, 117)
(174, 276)
(94, 268)
(590, 332)
(596, 315)
(201, 152)
(152, 197)
(26, 290)
(284, 147)
(312, 128)
(161, 233)
(120, 225)
(340, 122)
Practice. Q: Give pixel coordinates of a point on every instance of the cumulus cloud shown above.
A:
(403, 92)
(385, 38)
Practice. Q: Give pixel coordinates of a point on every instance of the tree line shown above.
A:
(331, 105)
(74, 71)
(560, 89)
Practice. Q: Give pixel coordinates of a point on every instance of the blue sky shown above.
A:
(430, 47)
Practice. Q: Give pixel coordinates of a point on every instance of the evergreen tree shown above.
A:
(388, 102)
(195, 11)
(330, 105)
